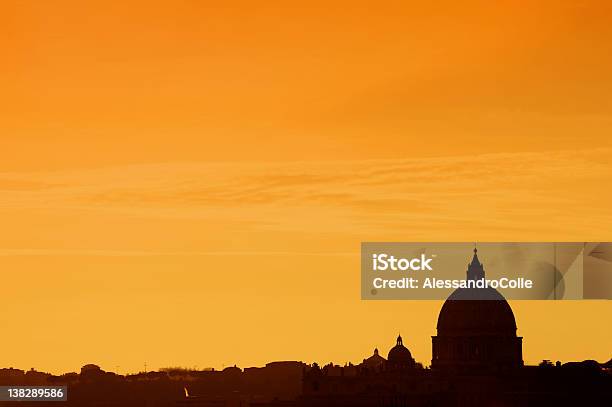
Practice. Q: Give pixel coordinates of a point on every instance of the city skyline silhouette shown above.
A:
(476, 343)
(186, 189)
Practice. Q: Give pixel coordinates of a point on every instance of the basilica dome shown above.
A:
(476, 329)
(476, 311)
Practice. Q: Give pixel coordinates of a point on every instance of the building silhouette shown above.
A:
(476, 329)
(400, 357)
(374, 362)
(476, 361)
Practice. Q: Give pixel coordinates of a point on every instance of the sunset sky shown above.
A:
(188, 183)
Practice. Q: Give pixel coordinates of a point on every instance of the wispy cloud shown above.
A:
(549, 192)
(135, 253)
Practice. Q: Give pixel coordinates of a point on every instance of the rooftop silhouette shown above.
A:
(476, 361)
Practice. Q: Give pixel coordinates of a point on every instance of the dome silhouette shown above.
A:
(476, 329)
(476, 311)
(375, 361)
(399, 356)
(399, 353)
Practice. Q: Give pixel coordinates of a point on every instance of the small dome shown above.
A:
(232, 369)
(399, 353)
(91, 370)
(375, 360)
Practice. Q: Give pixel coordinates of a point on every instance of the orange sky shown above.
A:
(187, 184)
